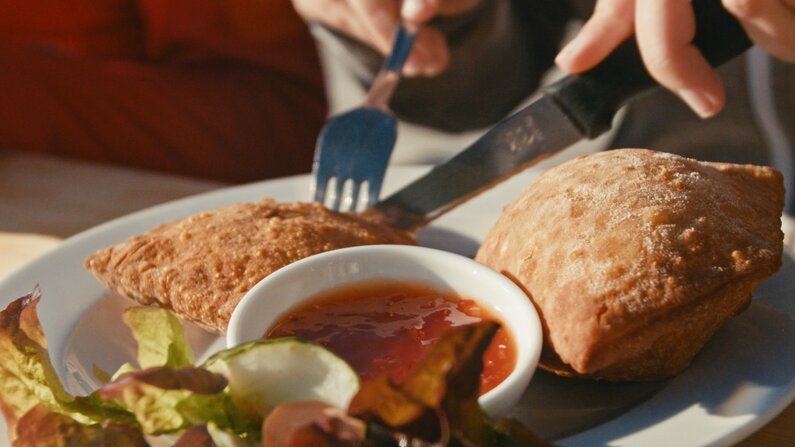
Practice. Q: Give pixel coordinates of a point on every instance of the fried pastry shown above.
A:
(634, 258)
(200, 267)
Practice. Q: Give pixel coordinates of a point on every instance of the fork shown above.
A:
(353, 148)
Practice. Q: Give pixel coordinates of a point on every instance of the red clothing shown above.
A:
(105, 28)
(192, 87)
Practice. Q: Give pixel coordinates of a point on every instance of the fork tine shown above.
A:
(320, 184)
(373, 189)
(355, 201)
(337, 199)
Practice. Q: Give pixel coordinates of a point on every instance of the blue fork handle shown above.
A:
(387, 79)
(401, 48)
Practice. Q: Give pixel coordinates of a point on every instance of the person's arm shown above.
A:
(493, 57)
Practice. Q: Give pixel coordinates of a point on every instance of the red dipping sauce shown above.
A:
(386, 327)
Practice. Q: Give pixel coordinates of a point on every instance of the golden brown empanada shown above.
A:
(634, 258)
(200, 267)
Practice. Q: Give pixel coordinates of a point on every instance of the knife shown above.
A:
(576, 107)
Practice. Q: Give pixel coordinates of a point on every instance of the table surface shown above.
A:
(45, 199)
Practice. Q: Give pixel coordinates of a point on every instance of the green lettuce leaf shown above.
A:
(28, 378)
(167, 400)
(160, 337)
(437, 404)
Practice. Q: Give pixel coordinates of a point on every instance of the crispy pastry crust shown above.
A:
(634, 258)
(201, 266)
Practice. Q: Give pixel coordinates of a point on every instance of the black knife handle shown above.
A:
(592, 98)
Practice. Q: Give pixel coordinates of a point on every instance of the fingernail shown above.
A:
(411, 68)
(411, 8)
(432, 69)
(704, 104)
(566, 53)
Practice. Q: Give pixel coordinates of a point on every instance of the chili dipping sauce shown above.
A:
(386, 327)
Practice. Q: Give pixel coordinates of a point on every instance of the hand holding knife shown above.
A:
(576, 107)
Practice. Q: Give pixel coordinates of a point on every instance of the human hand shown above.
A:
(373, 22)
(665, 29)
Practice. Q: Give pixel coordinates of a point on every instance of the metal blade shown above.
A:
(535, 132)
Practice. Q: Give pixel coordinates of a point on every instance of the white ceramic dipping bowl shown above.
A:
(447, 272)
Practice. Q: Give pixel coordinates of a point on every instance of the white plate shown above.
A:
(742, 379)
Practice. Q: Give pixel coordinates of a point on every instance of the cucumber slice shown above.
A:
(264, 373)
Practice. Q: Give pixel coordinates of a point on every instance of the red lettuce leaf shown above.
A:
(197, 380)
(440, 397)
(42, 427)
(311, 424)
(166, 400)
(195, 437)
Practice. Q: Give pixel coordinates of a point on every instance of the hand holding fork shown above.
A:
(353, 148)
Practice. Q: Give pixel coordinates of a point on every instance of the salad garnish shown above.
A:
(240, 397)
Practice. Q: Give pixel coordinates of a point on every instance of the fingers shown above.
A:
(373, 22)
(379, 18)
(336, 14)
(453, 7)
(769, 23)
(665, 29)
(369, 21)
(613, 21)
(420, 11)
(430, 55)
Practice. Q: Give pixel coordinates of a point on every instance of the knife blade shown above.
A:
(511, 146)
(576, 107)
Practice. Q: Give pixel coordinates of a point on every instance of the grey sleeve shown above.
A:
(499, 52)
